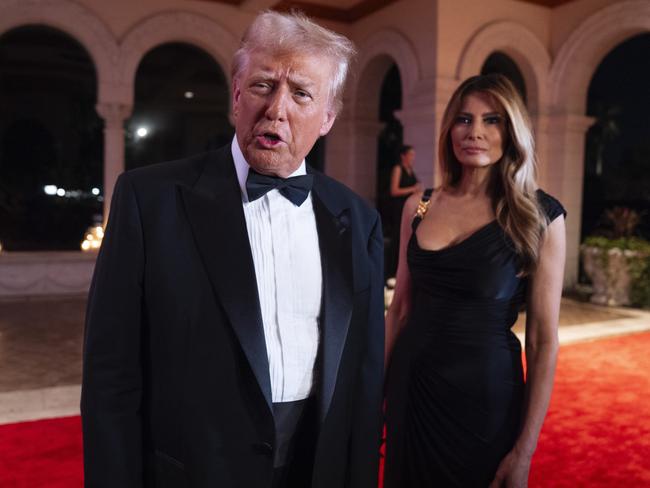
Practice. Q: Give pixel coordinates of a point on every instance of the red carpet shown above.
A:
(41, 454)
(597, 433)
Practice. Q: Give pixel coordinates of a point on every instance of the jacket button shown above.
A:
(263, 448)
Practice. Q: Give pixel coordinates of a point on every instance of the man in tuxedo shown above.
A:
(234, 332)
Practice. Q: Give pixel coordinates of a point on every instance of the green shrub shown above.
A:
(640, 289)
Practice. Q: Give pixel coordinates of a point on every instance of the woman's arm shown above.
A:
(395, 189)
(545, 291)
(400, 307)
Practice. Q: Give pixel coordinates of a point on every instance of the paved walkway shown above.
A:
(580, 321)
(41, 342)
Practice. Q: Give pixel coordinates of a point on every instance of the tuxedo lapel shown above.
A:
(334, 237)
(214, 210)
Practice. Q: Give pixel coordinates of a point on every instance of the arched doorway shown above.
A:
(181, 106)
(389, 141)
(391, 135)
(617, 148)
(499, 62)
(378, 136)
(51, 141)
(573, 68)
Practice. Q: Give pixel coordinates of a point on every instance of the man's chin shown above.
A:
(269, 161)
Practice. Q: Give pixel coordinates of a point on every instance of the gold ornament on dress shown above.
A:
(423, 206)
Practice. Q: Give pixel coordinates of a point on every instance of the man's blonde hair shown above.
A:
(294, 33)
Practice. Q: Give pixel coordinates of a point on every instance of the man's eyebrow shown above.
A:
(263, 73)
(294, 79)
(304, 81)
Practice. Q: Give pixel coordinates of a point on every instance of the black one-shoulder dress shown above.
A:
(455, 382)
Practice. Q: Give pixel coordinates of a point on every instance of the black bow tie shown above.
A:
(295, 188)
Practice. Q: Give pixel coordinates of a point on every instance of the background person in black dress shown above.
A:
(403, 183)
(458, 411)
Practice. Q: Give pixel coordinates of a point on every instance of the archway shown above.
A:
(391, 136)
(352, 143)
(570, 76)
(368, 125)
(78, 22)
(175, 27)
(499, 62)
(617, 149)
(181, 106)
(521, 46)
(51, 140)
(389, 142)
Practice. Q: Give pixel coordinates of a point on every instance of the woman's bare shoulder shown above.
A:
(412, 201)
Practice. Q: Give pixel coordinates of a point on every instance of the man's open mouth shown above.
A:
(269, 139)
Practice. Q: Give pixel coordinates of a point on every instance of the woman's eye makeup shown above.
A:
(493, 119)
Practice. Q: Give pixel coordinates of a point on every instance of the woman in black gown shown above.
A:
(403, 183)
(458, 411)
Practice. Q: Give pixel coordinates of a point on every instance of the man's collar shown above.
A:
(242, 167)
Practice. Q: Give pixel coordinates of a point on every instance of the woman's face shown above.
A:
(408, 157)
(479, 132)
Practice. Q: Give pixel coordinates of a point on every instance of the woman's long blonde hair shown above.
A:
(512, 182)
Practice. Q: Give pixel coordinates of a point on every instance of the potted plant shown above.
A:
(617, 262)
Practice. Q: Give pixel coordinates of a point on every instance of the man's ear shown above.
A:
(236, 93)
(328, 122)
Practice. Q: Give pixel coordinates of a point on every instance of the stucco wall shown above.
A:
(459, 20)
(121, 15)
(566, 18)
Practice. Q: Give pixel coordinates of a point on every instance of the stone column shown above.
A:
(114, 115)
(339, 147)
(351, 154)
(563, 136)
(364, 163)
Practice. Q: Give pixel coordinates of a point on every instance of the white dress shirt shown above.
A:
(286, 254)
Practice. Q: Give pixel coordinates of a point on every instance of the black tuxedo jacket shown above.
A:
(176, 389)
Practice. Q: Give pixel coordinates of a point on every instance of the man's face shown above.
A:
(281, 105)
